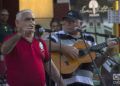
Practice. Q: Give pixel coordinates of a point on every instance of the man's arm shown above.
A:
(50, 43)
(53, 72)
(8, 45)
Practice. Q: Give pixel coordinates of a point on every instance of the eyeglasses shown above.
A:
(4, 14)
(28, 19)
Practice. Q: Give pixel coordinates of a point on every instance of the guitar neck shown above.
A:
(98, 47)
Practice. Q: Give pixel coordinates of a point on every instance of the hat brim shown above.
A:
(68, 18)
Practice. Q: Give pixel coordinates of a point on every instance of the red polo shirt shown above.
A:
(25, 63)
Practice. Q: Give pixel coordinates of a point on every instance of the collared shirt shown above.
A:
(25, 63)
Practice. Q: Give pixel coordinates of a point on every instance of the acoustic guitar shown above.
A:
(67, 65)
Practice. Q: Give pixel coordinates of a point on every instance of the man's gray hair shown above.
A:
(20, 13)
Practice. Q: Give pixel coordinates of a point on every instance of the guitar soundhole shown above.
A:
(66, 62)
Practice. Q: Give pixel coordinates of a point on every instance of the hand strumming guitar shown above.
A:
(111, 42)
(70, 51)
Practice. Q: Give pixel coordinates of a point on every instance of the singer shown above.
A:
(26, 57)
(63, 41)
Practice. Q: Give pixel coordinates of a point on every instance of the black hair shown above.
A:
(2, 10)
(55, 20)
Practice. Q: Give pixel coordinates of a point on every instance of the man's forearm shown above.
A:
(54, 73)
(56, 46)
(52, 45)
(8, 45)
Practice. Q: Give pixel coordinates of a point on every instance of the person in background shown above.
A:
(55, 24)
(65, 40)
(27, 57)
(5, 29)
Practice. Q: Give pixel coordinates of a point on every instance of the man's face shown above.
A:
(4, 15)
(27, 21)
(78, 24)
(71, 26)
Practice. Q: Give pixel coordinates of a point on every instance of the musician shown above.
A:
(63, 41)
(27, 57)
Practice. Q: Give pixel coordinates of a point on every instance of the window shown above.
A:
(41, 8)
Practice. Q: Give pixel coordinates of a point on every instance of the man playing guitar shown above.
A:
(68, 41)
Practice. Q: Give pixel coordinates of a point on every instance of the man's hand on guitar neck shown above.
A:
(111, 46)
(64, 49)
(70, 51)
(111, 42)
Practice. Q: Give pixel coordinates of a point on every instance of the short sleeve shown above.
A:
(47, 55)
(13, 51)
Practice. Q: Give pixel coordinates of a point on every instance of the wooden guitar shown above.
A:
(67, 65)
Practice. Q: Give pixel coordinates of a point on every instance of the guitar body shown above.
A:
(66, 64)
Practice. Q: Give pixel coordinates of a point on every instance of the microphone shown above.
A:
(45, 30)
(40, 29)
(83, 26)
(106, 35)
(99, 34)
(81, 29)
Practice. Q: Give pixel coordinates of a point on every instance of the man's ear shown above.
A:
(17, 25)
(16, 22)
